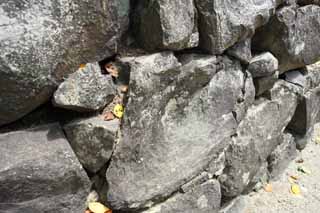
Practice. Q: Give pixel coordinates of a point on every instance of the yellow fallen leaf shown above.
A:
(118, 110)
(317, 139)
(295, 189)
(82, 66)
(97, 207)
(268, 188)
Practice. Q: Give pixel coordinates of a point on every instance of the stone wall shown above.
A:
(222, 94)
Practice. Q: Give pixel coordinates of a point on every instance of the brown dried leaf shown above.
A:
(109, 116)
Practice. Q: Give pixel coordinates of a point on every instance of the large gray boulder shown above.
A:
(162, 24)
(252, 144)
(43, 41)
(292, 35)
(174, 125)
(222, 23)
(85, 90)
(92, 140)
(203, 198)
(40, 173)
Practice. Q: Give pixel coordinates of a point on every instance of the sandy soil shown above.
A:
(281, 199)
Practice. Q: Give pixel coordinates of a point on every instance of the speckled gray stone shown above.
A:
(40, 173)
(43, 41)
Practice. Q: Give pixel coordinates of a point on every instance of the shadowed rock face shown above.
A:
(42, 41)
(306, 2)
(292, 35)
(40, 173)
(162, 24)
(222, 23)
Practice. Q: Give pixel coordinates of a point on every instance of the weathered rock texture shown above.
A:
(263, 65)
(263, 84)
(241, 51)
(175, 130)
(282, 155)
(198, 130)
(85, 90)
(40, 173)
(92, 140)
(292, 35)
(205, 197)
(253, 144)
(222, 23)
(164, 24)
(42, 41)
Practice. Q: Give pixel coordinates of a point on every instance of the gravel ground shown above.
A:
(281, 199)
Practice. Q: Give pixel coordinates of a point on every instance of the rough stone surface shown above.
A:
(40, 173)
(201, 178)
(236, 205)
(92, 140)
(264, 84)
(85, 90)
(292, 35)
(223, 23)
(241, 51)
(203, 198)
(282, 155)
(167, 24)
(198, 130)
(259, 179)
(174, 125)
(253, 144)
(262, 65)
(217, 164)
(312, 76)
(42, 41)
